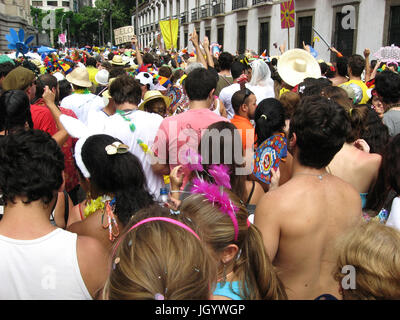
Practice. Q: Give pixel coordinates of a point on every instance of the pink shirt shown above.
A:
(179, 133)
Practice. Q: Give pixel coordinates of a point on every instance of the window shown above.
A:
(37, 3)
(186, 39)
(343, 39)
(220, 36)
(52, 3)
(264, 37)
(208, 34)
(304, 31)
(65, 4)
(242, 39)
(394, 26)
(178, 8)
(237, 4)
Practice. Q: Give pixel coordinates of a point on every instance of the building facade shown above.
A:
(67, 5)
(14, 14)
(349, 25)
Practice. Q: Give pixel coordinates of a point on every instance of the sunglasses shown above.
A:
(246, 95)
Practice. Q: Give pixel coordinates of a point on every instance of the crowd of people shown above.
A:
(169, 175)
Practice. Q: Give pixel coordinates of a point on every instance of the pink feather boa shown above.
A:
(214, 194)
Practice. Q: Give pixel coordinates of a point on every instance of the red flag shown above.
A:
(287, 14)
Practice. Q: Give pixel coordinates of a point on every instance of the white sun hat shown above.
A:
(296, 65)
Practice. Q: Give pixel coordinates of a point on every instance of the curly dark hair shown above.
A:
(321, 127)
(125, 89)
(119, 174)
(31, 166)
(225, 60)
(387, 85)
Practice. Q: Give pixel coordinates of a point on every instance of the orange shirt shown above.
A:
(245, 129)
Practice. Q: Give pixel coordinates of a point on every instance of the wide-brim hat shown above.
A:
(296, 65)
(117, 60)
(151, 95)
(79, 77)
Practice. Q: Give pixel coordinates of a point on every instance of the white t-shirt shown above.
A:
(261, 92)
(82, 103)
(226, 98)
(41, 269)
(146, 127)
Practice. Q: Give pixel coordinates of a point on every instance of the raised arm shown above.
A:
(61, 135)
(138, 54)
(194, 37)
(206, 46)
(368, 72)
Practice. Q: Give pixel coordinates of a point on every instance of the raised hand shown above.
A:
(194, 37)
(48, 96)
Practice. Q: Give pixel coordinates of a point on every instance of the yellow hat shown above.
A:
(151, 95)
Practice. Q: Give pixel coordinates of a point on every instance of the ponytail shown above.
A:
(258, 276)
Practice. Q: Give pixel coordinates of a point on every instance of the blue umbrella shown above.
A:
(44, 49)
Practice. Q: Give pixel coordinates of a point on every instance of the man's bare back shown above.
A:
(300, 222)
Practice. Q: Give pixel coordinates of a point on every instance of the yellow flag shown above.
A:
(169, 31)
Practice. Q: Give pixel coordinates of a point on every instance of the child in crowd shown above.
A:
(160, 258)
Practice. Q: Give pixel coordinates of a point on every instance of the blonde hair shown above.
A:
(374, 251)
(160, 258)
(257, 277)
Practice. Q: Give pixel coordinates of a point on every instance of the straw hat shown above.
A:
(296, 65)
(151, 95)
(101, 77)
(106, 93)
(117, 60)
(79, 77)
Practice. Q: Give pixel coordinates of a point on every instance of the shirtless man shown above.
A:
(301, 220)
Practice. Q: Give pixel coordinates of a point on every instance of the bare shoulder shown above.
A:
(93, 261)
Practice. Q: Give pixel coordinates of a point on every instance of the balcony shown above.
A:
(218, 7)
(195, 14)
(257, 2)
(205, 11)
(239, 4)
(184, 17)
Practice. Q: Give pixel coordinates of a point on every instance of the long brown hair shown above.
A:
(160, 258)
(232, 140)
(257, 277)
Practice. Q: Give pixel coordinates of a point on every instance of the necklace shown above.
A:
(319, 176)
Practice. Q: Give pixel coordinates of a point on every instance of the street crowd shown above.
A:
(148, 173)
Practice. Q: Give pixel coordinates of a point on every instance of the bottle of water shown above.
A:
(163, 196)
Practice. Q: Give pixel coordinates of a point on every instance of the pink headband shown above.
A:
(173, 221)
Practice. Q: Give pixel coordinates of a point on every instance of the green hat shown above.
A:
(4, 58)
(18, 79)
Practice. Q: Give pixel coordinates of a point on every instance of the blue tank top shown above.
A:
(226, 291)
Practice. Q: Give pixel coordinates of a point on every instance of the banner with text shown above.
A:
(123, 35)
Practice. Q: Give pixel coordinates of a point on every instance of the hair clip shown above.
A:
(264, 117)
(174, 212)
(116, 147)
